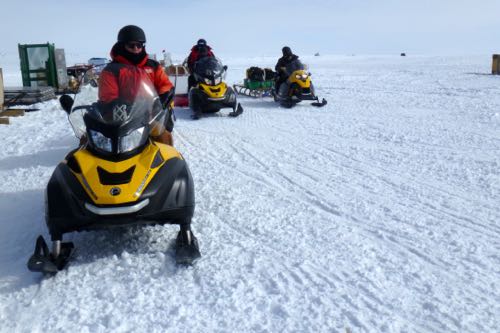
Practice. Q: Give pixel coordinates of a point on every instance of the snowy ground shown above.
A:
(377, 213)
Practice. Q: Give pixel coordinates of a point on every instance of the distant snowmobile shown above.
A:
(211, 93)
(119, 177)
(298, 87)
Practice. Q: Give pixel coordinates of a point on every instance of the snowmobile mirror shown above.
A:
(66, 102)
(225, 68)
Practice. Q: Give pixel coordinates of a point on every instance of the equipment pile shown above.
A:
(259, 82)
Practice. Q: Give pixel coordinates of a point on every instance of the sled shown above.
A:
(179, 75)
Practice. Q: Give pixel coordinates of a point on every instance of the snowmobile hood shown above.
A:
(117, 182)
(214, 92)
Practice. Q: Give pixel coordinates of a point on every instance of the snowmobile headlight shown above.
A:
(100, 141)
(131, 141)
(305, 76)
(208, 81)
(298, 76)
(218, 80)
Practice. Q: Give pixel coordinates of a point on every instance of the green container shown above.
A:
(255, 85)
(267, 84)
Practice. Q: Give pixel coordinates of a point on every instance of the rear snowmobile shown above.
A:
(119, 177)
(210, 93)
(298, 87)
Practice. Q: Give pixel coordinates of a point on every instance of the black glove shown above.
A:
(167, 98)
(167, 102)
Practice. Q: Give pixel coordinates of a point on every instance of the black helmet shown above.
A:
(131, 33)
(286, 51)
(201, 42)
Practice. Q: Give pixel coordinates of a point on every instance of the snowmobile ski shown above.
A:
(319, 104)
(237, 111)
(45, 262)
(187, 249)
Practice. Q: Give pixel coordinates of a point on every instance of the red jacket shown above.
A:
(194, 56)
(114, 80)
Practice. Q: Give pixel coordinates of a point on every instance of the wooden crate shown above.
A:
(1, 91)
(12, 113)
(495, 68)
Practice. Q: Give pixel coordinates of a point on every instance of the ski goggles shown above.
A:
(132, 45)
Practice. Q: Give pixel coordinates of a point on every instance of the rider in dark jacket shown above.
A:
(280, 67)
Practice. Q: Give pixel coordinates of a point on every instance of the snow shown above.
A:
(377, 213)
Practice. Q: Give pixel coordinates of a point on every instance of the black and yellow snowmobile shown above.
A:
(119, 177)
(297, 87)
(210, 93)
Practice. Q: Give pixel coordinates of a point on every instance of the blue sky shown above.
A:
(260, 27)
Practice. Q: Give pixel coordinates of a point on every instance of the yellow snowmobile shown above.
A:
(298, 87)
(119, 177)
(210, 93)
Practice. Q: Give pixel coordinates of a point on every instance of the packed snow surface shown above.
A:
(377, 213)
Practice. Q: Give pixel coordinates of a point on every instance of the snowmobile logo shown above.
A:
(115, 191)
(120, 112)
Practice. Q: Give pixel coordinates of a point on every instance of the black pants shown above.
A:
(281, 79)
(191, 81)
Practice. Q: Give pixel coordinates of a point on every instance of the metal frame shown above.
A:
(50, 66)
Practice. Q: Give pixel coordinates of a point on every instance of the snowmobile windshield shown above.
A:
(209, 70)
(124, 124)
(293, 66)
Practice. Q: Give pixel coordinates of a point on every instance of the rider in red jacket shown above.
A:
(128, 51)
(198, 51)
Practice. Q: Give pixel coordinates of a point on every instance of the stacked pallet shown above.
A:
(27, 95)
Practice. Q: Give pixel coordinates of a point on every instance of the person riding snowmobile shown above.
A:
(294, 83)
(199, 51)
(280, 67)
(120, 178)
(210, 93)
(130, 50)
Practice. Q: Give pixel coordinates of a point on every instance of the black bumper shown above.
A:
(199, 101)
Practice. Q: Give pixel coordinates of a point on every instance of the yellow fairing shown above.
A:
(130, 192)
(298, 77)
(217, 92)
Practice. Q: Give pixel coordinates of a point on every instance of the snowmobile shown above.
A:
(298, 87)
(210, 93)
(118, 177)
